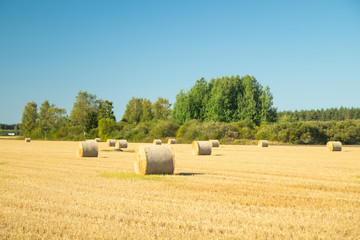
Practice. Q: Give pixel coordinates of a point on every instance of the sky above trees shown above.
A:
(307, 52)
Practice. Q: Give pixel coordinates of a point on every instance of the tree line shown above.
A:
(90, 117)
(233, 109)
(330, 114)
(5, 129)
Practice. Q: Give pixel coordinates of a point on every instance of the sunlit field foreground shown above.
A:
(239, 192)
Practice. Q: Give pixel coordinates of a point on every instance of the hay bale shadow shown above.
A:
(129, 150)
(188, 174)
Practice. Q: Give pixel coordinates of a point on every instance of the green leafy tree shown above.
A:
(133, 111)
(147, 111)
(50, 119)
(91, 121)
(222, 103)
(248, 105)
(162, 109)
(225, 99)
(84, 103)
(44, 118)
(268, 112)
(29, 118)
(181, 111)
(198, 95)
(106, 110)
(107, 128)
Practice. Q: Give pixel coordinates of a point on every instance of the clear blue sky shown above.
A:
(307, 52)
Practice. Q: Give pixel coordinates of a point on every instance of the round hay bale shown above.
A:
(97, 139)
(214, 143)
(171, 141)
(154, 159)
(111, 142)
(334, 146)
(157, 141)
(121, 144)
(201, 148)
(263, 143)
(88, 148)
(27, 140)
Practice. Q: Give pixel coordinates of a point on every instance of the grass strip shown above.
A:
(152, 177)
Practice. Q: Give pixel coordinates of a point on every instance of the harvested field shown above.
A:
(238, 192)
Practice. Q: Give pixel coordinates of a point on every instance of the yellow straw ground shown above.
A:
(238, 192)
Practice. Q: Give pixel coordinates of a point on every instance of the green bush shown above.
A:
(190, 131)
(164, 129)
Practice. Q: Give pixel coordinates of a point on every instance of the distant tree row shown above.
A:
(312, 132)
(233, 109)
(226, 99)
(52, 122)
(330, 114)
(9, 126)
(5, 129)
(39, 124)
(90, 117)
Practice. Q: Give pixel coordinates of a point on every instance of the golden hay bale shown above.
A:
(154, 159)
(214, 143)
(263, 143)
(201, 148)
(157, 141)
(89, 148)
(121, 144)
(97, 139)
(171, 141)
(111, 142)
(334, 146)
(27, 139)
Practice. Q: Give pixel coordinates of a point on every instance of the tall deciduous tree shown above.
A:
(29, 118)
(147, 111)
(106, 110)
(91, 121)
(133, 111)
(197, 98)
(84, 103)
(268, 112)
(50, 117)
(181, 111)
(162, 109)
(222, 103)
(248, 105)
